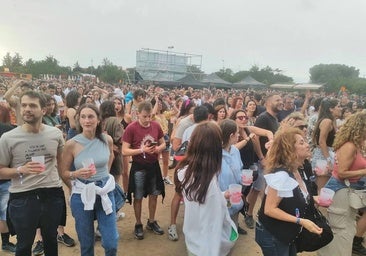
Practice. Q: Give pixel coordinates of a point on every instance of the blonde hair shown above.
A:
(290, 120)
(353, 130)
(282, 151)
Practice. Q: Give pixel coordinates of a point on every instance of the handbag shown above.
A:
(181, 152)
(357, 197)
(309, 242)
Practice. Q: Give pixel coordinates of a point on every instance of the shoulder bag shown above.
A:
(357, 197)
(309, 242)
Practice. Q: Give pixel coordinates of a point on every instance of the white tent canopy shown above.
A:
(304, 86)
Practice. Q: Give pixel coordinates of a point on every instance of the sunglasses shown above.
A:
(301, 127)
(241, 118)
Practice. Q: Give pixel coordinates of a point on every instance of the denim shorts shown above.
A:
(142, 184)
(4, 198)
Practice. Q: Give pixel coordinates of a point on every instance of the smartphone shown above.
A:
(153, 143)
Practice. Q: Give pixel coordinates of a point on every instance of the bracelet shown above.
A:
(298, 221)
(20, 174)
(143, 153)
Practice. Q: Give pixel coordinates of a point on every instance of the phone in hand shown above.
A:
(153, 143)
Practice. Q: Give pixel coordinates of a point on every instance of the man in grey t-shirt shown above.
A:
(36, 196)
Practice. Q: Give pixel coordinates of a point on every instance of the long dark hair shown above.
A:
(186, 106)
(228, 127)
(99, 130)
(324, 113)
(72, 99)
(203, 161)
(107, 109)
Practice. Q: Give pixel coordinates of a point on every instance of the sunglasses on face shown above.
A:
(301, 127)
(241, 118)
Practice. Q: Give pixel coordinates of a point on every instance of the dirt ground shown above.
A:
(152, 244)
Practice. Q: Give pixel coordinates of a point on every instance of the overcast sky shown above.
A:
(292, 35)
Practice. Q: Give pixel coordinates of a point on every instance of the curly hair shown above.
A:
(353, 130)
(282, 152)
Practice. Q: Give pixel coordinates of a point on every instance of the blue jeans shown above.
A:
(270, 245)
(4, 198)
(32, 209)
(84, 224)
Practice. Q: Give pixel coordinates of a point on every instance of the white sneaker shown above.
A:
(167, 181)
(172, 233)
(120, 216)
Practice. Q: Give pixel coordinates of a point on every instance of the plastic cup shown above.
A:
(89, 163)
(321, 167)
(326, 197)
(39, 159)
(247, 177)
(235, 193)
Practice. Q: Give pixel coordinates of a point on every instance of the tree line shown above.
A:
(332, 76)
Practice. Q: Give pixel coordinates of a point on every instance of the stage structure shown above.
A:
(165, 66)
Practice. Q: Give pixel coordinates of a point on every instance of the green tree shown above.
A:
(333, 75)
(110, 73)
(7, 61)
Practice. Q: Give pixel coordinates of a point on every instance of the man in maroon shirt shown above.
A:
(144, 140)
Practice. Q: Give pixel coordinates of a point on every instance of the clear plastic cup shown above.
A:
(89, 163)
(39, 159)
(235, 193)
(321, 167)
(247, 177)
(326, 197)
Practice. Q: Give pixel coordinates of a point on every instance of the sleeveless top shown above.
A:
(97, 150)
(358, 163)
(330, 137)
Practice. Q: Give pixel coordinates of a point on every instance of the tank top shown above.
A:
(358, 163)
(97, 150)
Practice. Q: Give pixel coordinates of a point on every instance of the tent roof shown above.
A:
(308, 86)
(190, 80)
(282, 86)
(216, 81)
(297, 86)
(248, 82)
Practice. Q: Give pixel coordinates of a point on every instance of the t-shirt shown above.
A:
(183, 125)
(18, 147)
(268, 122)
(188, 132)
(284, 113)
(137, 135)
(3, 129)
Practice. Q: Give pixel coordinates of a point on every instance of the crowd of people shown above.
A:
(101, 139)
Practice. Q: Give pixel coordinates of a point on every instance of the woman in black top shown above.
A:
(323, 137)
(281, 214)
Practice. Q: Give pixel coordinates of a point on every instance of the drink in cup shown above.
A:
(89, 163)
(247, 177)
(39, 159)
(326, 197)
(321, 167)
(235, 193)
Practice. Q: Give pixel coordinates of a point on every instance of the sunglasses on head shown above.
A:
(301, 127)
(242, 118)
